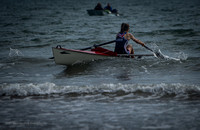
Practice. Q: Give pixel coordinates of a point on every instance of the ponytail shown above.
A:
(124, 27)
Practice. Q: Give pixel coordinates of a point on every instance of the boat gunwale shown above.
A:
(86, 52)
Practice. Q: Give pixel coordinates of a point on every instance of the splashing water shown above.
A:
(15, 52)
(160, 55)
(182, 56)
(166, 57)
(179, 56)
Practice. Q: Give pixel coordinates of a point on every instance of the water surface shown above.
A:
(122, 93)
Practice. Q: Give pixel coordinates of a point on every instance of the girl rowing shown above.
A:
(122, 46)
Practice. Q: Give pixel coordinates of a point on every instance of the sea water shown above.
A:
(120, 93)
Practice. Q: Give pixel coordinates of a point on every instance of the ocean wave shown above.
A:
(155, 90)
(33, 32)
(175, 32)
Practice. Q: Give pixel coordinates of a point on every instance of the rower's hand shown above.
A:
(142, 44)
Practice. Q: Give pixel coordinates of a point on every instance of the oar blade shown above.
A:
(156, 53)
(159, 54)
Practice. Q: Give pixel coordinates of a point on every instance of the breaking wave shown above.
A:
(156, 90)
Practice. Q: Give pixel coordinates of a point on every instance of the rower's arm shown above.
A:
(136, 40)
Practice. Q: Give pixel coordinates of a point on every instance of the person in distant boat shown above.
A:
(122, 38)
(108, 7)
(98, 7)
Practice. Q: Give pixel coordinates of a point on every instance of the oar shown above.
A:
(138, 55)
(98, 45)
(158, 54)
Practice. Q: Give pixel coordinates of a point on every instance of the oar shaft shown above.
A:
(148, 48)
(157, 53)
(122, 55)
(98, 45)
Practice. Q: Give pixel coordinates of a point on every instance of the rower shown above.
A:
(108, 7)
(122, 38)
(98, 7)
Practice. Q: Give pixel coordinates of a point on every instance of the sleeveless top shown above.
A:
(121, 44)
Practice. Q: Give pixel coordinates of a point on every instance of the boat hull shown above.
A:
(67, 57)
(93, 12)
(70, 57)
(96, 12)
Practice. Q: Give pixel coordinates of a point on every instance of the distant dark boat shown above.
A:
(93, 12)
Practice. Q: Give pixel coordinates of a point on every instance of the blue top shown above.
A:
(121, 44)
(108, 8)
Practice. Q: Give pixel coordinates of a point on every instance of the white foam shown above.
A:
(178, 56)
(51, 88)
(182, 56)
(27, 89)
(15, 52)
(165, 56)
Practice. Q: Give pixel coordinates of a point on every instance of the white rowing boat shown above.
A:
(64, 56)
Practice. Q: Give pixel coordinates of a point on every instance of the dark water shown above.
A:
(147, 93)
